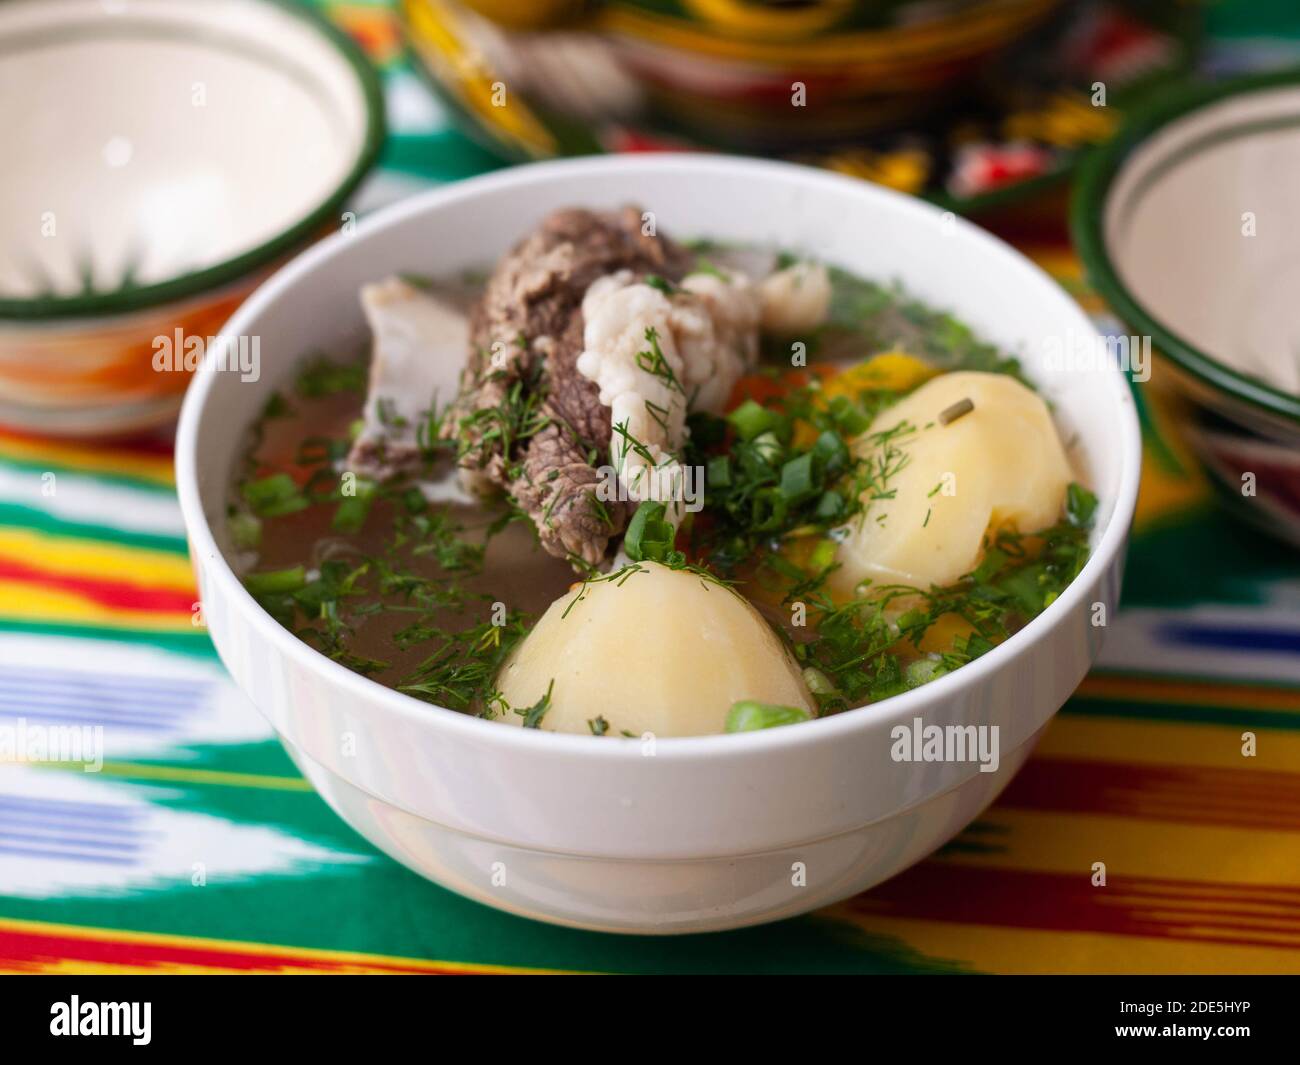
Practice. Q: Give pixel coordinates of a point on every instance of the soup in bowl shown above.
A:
(660, 544)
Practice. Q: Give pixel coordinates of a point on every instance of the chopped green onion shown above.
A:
(718, 472)
(276, 581)
(830, 452)
(750, 419)
(829, 506)
(768, 510)
(797, 478)
(848, 417)
(924, 670)
(245, 530)
(768, 448)
(350, 515)
(1080, 505)
(823, 555)
(274, 496)
(818, 682)
(749, 716)
(649, 536)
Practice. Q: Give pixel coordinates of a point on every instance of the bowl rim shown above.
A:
(1106, 553)
(127, 300)
(1088, 207)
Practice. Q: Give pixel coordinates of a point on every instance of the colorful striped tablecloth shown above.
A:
(197, 847)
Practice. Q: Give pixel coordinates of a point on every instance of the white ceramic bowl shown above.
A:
(687, 834)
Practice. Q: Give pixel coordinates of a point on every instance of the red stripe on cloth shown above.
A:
(35, 951)
(121, 595)
(145, 445)
(1245, 798)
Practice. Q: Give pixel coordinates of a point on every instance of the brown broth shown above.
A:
(515, 568)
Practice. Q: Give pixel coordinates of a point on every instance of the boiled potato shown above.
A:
(1000, 464)
(650, 650)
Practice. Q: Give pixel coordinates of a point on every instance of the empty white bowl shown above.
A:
(688, 834)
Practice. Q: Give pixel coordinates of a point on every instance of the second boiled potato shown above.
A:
(996, 461)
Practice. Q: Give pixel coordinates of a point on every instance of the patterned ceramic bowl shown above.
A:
(719, 72)
(1187, 224)
(977, 105)
(160, 158)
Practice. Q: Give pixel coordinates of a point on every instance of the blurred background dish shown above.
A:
(134, 209)
(971, 103)
(1186, 225)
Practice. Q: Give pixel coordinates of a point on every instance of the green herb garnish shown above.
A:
(749, 716)
(274, 496)
(533, 715)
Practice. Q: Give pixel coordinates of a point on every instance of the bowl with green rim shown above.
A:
(1186, 225)
(161, 159)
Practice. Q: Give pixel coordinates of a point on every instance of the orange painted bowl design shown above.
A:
(161, 159)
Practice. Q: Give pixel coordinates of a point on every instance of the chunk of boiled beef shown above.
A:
(526, 420)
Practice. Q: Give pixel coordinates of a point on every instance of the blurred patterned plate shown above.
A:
(968, 103)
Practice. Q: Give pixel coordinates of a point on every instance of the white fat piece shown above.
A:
(707, 337)
(717, 331)
(420, 346)
(796, 299)
(641, 382)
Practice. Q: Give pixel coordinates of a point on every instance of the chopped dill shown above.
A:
(533, 715)
(655, 363)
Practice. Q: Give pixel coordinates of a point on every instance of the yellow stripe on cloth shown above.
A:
(1051, 841)
(98, 559)
(119, 462)
(1166, 744)
(998, 949)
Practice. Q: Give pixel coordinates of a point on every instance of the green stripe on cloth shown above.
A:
(124, 480)
(19, 514)
(1195, 715)
(196, 643)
